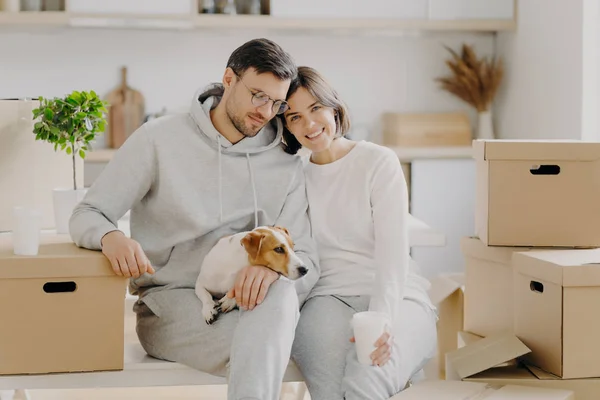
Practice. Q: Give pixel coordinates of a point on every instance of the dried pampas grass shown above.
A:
(474, 81)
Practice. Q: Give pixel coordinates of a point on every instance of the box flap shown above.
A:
(566, 267)
(457, 390)
(58, 257)
(518, 392)
(442, 286)
(541, 374)
(445, 390)
(473, 247)
(484, 354)
(536, 150)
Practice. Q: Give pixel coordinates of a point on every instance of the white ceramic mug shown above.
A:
(26, 231)
(368, 327)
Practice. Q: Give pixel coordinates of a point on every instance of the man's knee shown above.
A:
(282, 295)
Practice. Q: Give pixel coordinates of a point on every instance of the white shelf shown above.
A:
(207, 21)
(407, 154)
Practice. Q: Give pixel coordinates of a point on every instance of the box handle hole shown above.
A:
(545, 169)
(537, 287)
(60, 287)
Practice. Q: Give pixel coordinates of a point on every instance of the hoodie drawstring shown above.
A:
(253, 191)
(255, 198)
(220, 182)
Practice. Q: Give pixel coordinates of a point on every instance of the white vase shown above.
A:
(65, 201)
(485, 126)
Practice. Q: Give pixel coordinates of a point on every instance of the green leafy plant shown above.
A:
(71, 123)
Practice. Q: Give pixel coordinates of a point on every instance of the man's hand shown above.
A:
(125, 255)
(383, 351)
(251, 286)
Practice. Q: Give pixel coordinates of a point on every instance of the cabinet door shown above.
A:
(443, 196)
(404, 9)
(471, 9)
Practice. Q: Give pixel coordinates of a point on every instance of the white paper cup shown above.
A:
(368, 328)
(26, 231)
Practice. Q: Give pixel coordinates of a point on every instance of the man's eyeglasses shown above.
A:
(261, 98)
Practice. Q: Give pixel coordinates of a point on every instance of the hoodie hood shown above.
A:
(208, 98)
(267, 138)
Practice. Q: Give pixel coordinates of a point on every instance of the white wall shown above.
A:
(374, 74)
(551, 86)
(542, 94)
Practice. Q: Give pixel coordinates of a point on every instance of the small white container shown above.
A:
(26, 231)
(368, 328)
(64, 201)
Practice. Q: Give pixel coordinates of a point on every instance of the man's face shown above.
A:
(243, 112)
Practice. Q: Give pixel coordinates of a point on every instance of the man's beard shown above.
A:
(240, 124)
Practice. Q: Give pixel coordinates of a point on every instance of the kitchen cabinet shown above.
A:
(405, 9)
(471, 9)
(443, 196)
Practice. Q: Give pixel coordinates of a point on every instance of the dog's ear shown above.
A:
(281, 228)
(252, 242)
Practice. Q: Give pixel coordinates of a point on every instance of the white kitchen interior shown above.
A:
(383, 56)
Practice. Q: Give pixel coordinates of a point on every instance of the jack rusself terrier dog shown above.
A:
(269, 246)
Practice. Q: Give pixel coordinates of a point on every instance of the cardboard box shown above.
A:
(426, 129)
(477, 360)
(447, 294)
(538, 193)
(62, 311)
(558, 292)
(452, 390)
(489, 287)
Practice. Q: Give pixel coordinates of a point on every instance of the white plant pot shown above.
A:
(485, 126)
(65, 201)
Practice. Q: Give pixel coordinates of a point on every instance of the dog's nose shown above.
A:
(302, 270)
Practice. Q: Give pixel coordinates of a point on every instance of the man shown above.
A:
(189, 180)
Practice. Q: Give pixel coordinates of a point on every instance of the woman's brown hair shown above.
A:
(311, 80)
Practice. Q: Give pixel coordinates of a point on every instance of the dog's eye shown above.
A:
(279, 250)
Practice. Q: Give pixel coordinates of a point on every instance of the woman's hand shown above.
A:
(382, 354)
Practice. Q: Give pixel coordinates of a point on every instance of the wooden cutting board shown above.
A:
(125, 112)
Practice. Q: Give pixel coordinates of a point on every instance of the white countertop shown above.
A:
(404, 153)
(419, 233)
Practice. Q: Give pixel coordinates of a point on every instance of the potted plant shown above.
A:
(70, 123)
(476, 82)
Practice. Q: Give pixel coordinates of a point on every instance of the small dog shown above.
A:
(269, 246)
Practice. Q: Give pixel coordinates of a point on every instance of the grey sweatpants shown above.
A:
(256, 344)
(328, 360)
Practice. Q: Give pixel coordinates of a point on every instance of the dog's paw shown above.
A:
(210, 314)
(226, 304)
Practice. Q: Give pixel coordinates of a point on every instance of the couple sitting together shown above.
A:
(230, 165)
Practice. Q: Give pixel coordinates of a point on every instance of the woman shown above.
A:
(358, 205)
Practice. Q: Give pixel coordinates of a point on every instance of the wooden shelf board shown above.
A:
(215, 21)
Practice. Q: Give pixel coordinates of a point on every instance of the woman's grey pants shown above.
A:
(328, 361)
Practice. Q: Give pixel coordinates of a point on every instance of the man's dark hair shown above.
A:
(264, 56)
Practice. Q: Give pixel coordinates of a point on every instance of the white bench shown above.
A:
(141, 370)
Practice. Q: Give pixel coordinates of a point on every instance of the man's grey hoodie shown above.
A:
(187, 186)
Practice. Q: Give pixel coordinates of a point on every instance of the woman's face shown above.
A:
(310, 122)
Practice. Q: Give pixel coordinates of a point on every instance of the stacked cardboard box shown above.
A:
(532, 273)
